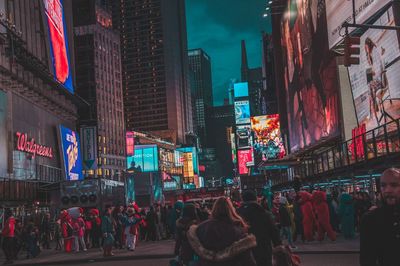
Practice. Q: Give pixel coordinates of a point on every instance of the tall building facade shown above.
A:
(200, 67)
(157, 96)
(254, 77)
(268, 72)
(99, 82)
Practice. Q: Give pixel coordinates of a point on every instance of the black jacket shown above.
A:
(182, 246)
(220, 243)
(262, 226)
(380, 237)
(284, 217)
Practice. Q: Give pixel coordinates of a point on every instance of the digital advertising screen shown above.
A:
(340, 11)
(58, 38)
(242, 112)
(71, 153)
(245, 159)
(268, 144)
(375, 82)
(130, 143)
(233, 148)
(243, 137)
(310, 75)
(178, 158)
(195, 157)
(241, 89)
(145, 159)
(188, 164)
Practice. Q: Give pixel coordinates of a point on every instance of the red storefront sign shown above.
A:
(28, 145)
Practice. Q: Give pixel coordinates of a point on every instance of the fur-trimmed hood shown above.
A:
(227, 253)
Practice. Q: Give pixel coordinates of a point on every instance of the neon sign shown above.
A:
(58, 42)
(29, 146)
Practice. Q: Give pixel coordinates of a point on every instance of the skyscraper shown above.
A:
(99, 81)
(155, 67)
(268, 71)
(200, 66)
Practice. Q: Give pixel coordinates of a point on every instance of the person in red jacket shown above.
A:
(8, 234)
(67, 230)
(323, 219)
(308, 215)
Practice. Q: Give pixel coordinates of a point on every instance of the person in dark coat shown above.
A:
(262, 226)
(182, 247)
(380, 227)
(222, 240)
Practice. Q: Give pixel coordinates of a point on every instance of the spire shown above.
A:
(244, 67)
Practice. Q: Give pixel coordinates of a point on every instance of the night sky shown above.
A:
(218, 26)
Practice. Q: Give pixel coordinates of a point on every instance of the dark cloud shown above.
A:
(218, 26)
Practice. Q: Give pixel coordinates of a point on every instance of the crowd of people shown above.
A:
(252, 231)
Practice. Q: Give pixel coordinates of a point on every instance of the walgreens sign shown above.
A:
(29, 145)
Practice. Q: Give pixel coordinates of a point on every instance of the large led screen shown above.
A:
(195, 157)
(71, 153)
(309, 74)
(245, 159)
(145, 159)
(268, 143)
(241, 89)
(244, 138)
(376, 81)
(242, 112)
(58, 38)
(339, 11)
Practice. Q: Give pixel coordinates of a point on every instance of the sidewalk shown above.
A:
(340, 246)
(145, 250)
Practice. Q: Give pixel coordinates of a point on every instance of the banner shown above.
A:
(242, 112)
(375, 81)
(71, 153)
(340, 11)
(245, 159)
(89, 148)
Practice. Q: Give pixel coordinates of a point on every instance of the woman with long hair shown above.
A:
(222, 239)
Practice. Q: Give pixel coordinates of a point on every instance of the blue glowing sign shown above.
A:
(145, 159)
(242, 112)
(241, 89)
(58, 42)
(71, 153)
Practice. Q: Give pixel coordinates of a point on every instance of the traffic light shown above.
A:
(351, 48)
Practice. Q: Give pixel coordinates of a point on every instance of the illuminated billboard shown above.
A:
(130, 143)
(244, 138)
(339, 11)
(310, 75)
(241, 89)
(267, 138)
(375, 81)
(188, 164)
(245, 159)
(233, 148)
(178, 158)
(71, 153)
(242, 112)
(58, 38)
(145, 159)
(195, 157)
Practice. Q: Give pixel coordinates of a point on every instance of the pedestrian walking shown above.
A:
(67, 231)
(285, 221)
(79, 232)
(108, 232)
(347, 215)
(380, 227)
(45, 231)
(307, 214)
(222, 240)
(8, 234)
(96, 228)
(130, 223)
(323, 216)
(57, 235)
(261, 225)
(183, 250)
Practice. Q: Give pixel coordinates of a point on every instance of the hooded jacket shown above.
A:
(182, 246)
(220, 243)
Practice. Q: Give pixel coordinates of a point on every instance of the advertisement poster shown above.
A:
(58, 42)
(145, 159)
(242, 112)
(244, 138)
(130, 143)
(268, 144)
(233, 148)
(310, 75)
(375, 82)
(340, 11)
(245, 159)
(71, 153)
(195, 158)
(89, 148)
(188, 165)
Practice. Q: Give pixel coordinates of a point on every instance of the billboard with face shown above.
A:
(242, 112)
(309, 74)
(375, 81)
(58, 38)
(268, 143)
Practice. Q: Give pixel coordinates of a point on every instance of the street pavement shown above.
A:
(339, 253)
